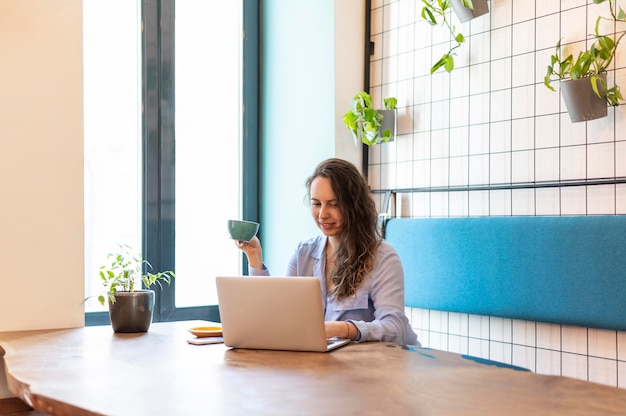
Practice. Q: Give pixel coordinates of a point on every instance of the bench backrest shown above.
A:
(567, 270)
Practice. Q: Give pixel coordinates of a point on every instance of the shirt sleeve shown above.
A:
(258, 272)
(303, 260)
(387, 296)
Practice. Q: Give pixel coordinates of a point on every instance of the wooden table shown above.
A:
(88, 371)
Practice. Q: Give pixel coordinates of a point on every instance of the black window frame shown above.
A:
(158, 148)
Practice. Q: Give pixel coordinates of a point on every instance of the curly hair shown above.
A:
(360, 237)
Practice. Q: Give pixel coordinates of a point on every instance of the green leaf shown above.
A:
(350, 120)
(365, 97)
(468, 4)
(390, 103)
(386, 135)
(459, 38)
(440, 63)
(614, 96)
(547, 80)
(449, 63)
(370, 116)
(428, 4)
(594, 85)
(607, 46)
(428, 16)
(595, 30)
(370, 139)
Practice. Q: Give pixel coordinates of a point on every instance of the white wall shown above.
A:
(41, 164)
(516, 132)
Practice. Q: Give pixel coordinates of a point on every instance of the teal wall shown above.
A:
(298, 118)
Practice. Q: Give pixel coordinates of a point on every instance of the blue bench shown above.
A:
(566, 270)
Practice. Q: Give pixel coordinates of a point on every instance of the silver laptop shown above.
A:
(273, 313)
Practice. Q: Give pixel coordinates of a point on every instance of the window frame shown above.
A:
(158, 148)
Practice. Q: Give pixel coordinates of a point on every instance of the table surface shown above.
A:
(91, 370)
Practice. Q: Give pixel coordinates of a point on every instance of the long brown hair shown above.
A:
(359, 238)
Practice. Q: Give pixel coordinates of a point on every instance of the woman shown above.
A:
(360, 274)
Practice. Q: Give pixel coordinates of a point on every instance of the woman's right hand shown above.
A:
(253, 251)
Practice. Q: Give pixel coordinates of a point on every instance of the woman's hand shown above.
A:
(253, 251)
(340, 329)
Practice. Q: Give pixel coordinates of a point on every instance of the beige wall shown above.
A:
(41, 164)
(349, 42)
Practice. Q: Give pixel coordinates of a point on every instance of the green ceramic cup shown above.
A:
(242, 230)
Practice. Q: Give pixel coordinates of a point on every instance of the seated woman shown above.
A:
(360, 274)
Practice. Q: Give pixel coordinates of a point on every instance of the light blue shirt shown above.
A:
(377, 307)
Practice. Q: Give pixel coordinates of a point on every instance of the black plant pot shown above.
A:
(464, 14)
(582, 102)
(132, 311)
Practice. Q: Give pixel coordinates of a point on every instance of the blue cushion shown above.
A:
(567, 270)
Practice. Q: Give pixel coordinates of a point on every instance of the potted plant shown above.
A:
(439, 9)
(130, 307)
(467, 10)
(369, 125)
(583, 80)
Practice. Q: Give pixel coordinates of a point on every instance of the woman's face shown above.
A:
(325, 207)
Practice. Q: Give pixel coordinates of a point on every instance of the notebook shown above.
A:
(273, 313)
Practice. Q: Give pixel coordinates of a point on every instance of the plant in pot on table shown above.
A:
(369, 125)
(583, 80)
(130, 306)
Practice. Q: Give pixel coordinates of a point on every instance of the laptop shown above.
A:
(273, 313)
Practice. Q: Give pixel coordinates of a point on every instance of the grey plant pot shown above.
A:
(132, 311)
(581, 101)
(464, 14)
(388, 122)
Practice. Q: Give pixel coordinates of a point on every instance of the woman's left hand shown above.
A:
(340, 329)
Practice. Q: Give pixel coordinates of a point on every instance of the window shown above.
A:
(188, 146)
(208, 146)
(112, 128)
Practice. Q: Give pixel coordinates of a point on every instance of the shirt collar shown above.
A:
(321, 248)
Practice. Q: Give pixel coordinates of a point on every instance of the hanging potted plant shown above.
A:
(369, 125)
(583, 81)
(130, 307)
(465, 10)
